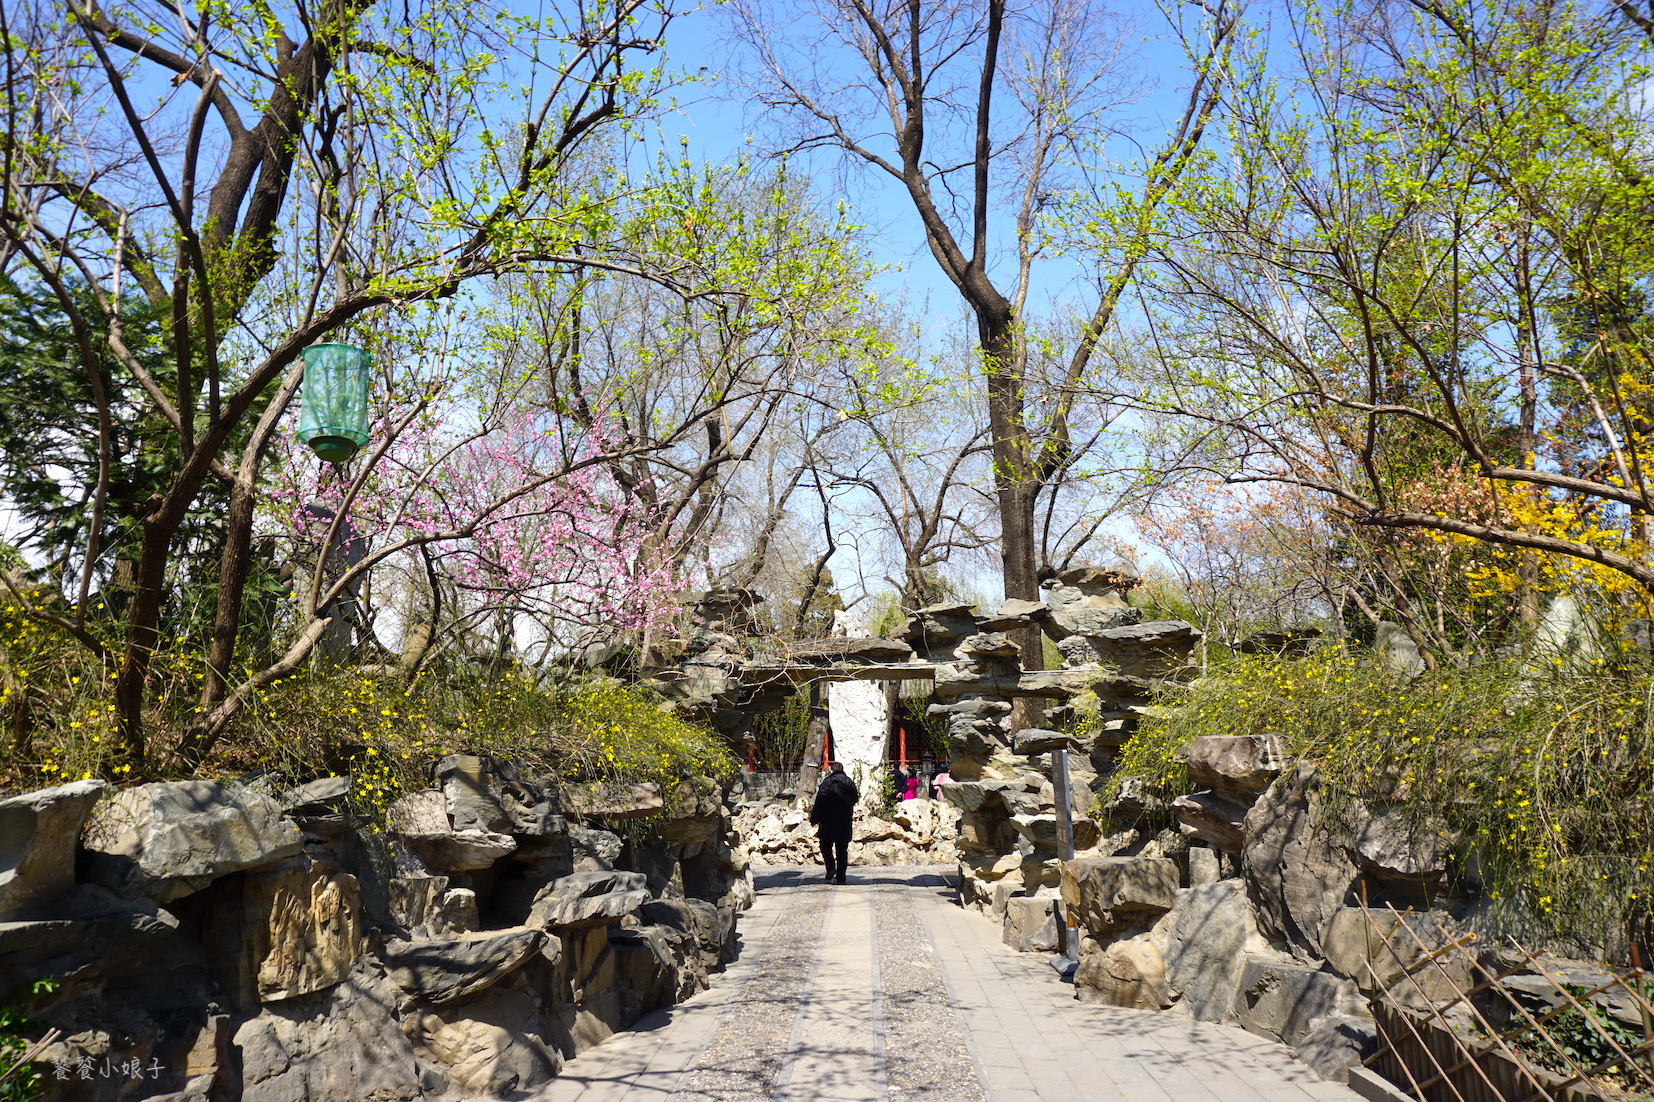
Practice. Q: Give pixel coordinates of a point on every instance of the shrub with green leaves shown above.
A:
(384, 730)
(20, 1081)
(1542, 774)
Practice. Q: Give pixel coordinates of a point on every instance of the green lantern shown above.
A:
(333, 410)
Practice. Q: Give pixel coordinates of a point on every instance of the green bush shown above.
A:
(384, 731)
(1543, 775)
(1586, 1035)
(19, 1082)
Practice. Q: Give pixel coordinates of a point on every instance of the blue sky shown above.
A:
(719, 129)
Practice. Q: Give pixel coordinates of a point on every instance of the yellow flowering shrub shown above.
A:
(57, 722)
(384, 731)
(57, 713)
(1542, 773)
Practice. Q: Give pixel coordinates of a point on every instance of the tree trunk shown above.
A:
(232, 587)
(131, 687)
(815, 741)
(1016, 487)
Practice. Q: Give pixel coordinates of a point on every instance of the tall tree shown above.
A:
(1414, 288)
(970, 111)
(267, 178)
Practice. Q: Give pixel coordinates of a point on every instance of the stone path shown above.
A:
(883, 990)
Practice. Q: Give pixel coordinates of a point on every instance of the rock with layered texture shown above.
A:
(423, 812)
(305, 933)
(168, 839)
(1129, 973)
(1336, 1044)
(594, 850)
(1035, 740)
(1213, 819)
(1150, 649)
(1109, 894)
(614, 801)
(840, 649)
(1297, 859)
(39, 832)
(1407, 858)
(1237, 767)
(1284, 1001)
(342, 1045)
(446, 970)
(585, 899)
(1382, 950)
(321, 794)
(1208, 936)
(480, 1057)
(934, 630)
(91, 933)
(459, 850)
(1029, 924)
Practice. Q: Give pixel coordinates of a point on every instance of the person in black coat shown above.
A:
(834, 806)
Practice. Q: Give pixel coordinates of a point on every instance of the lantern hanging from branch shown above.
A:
(333, 409)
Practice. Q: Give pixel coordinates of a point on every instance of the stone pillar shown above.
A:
(858, 713)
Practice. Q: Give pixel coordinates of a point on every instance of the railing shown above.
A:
(1484, 1044)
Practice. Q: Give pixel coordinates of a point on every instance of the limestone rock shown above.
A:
(956, 679)
(1297, 859)
(1204, 866)
(1107, 894)
(424, 812)
(38, 835)
(1129, 973)
(1398, 650)
(1022, 610)
(483, 1058)
(459, 850)
(168, 839)
(840, 648)
(1098, 581)
(585, 899)
(1237, 767)
(1133, 803)
(321, 794)
(441, 971)
(1213, 819)
(1138, 649)
(972, 708)
(1040, 832)
(859, 714)
(1029, 925)
(1209, 934)
(455, 913)
(1407, 858)
(1377, 949)
(1034, 740)
(413, 898)
(470, 799)
(987, 644)
(972, 795)
(339, 1046)
(93, 930)
(1061, 684)
(594, 850)
(306, 933)
(1014, 614)
(1336, 1044)
(614, 801)
(936, 628)
(1284, 1001)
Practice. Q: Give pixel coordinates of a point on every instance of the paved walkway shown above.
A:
(883, 990)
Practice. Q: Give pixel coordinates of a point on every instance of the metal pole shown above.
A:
(1068, 942)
